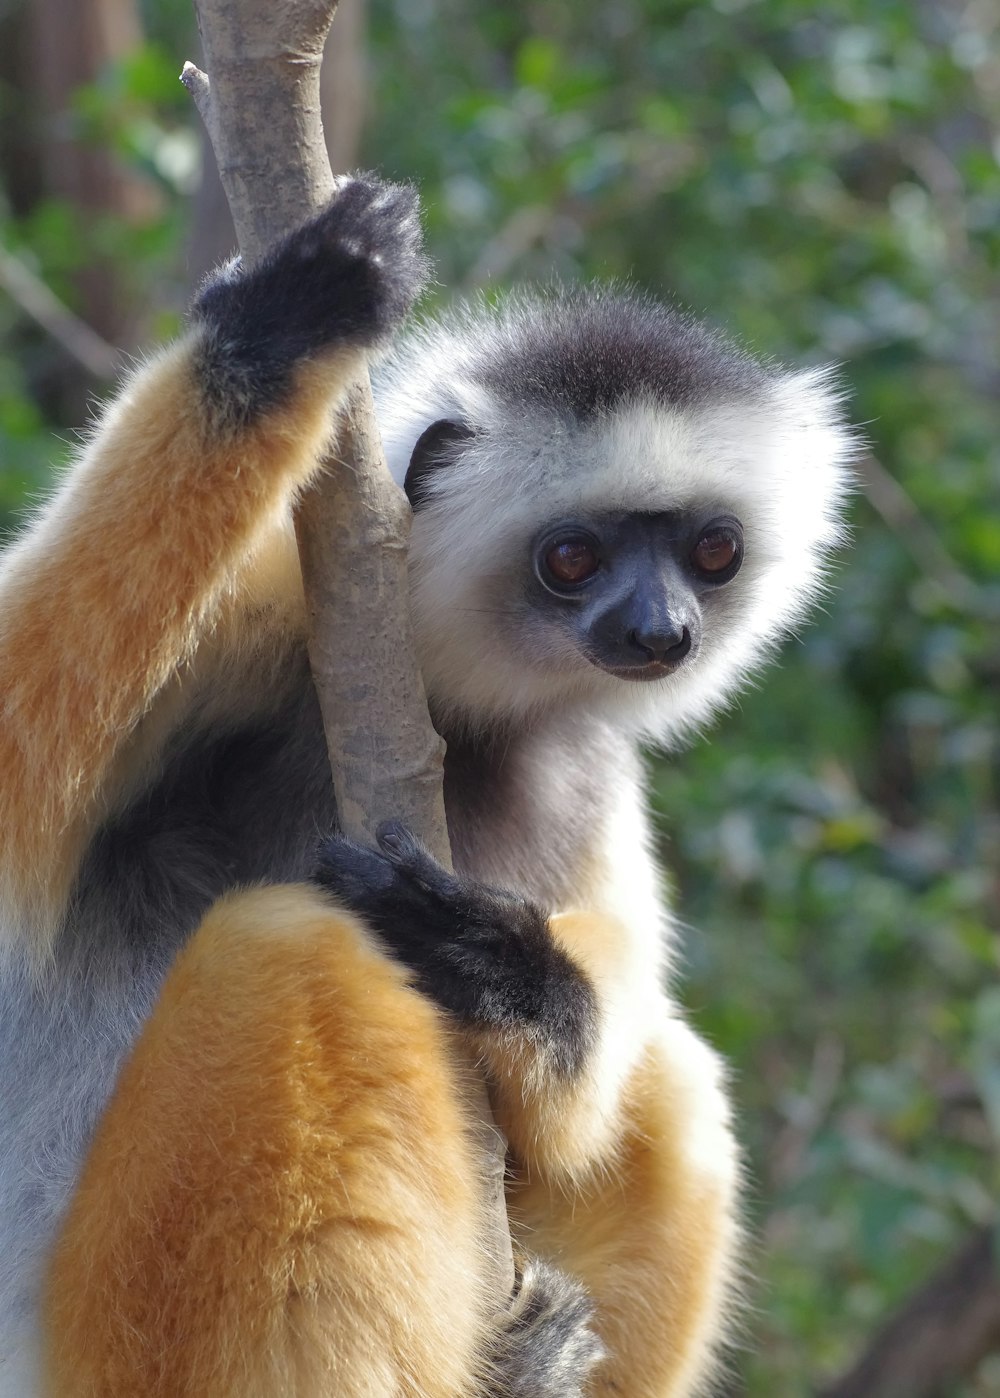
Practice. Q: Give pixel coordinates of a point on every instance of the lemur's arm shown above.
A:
(129, 566)
(560, 1006)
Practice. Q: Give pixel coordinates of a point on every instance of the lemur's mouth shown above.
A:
(640, 664)
(645, 672)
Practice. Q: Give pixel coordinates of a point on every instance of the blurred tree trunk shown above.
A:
(940, 1335)
(213, 237)
(343, 86)
(70, 44)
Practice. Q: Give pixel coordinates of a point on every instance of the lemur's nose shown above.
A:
(663, 644)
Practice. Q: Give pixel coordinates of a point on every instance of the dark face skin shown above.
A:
(631, 586)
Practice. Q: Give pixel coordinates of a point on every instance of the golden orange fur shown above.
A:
(281, 1199)
(651, 1231)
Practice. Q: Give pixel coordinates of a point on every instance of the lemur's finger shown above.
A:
(402, 848)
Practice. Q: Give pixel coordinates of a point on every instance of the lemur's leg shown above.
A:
(281, 1198)
(628, 1184)
(652, 1233)
(132, 562)
(629, 1180)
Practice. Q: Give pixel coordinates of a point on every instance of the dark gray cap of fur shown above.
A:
(591, 350)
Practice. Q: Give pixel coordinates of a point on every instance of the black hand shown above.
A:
(484, 954)
(347, 276)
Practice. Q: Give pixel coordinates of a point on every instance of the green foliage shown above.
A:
(139, 111)
(824, 180)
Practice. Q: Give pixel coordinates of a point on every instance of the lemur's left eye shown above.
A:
(572, 561)
(719, 552)
(566, 561)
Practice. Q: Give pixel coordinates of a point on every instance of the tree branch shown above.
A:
(261, 106)
(899, 512)
(940, 1335)
(37, 300)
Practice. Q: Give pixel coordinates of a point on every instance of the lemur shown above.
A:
(233, 1156)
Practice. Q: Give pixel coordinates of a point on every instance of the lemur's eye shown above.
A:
(719, 552)
(571, 560)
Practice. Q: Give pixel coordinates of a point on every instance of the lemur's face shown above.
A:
(638, 566)
(631, 589)
(630, 557)
(619, 611)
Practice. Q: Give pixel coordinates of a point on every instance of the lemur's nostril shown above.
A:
(680, 650)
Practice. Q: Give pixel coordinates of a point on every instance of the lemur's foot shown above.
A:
(547, 1347)
(485, 955)
(346, 277)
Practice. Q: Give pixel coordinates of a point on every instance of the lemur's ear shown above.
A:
(437, 446)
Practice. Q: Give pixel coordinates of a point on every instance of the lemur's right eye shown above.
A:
(570, 561)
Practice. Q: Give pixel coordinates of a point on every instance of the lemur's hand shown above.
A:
(483, 954)
(346, 277)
